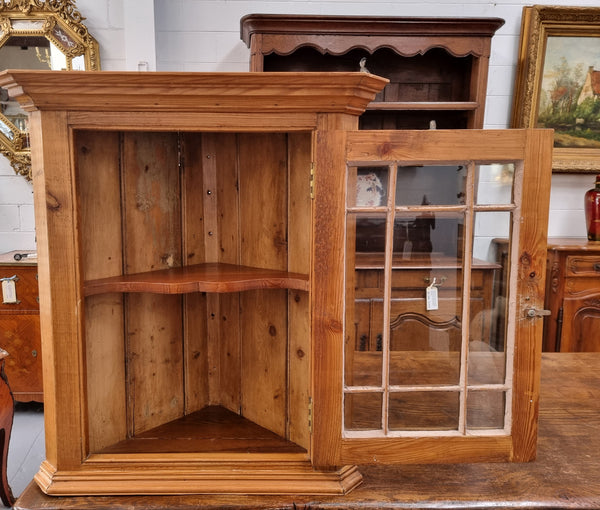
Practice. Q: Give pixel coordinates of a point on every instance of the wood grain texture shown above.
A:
(263, 240)
(99, 192)
(530, 225)
(152, 241)
(58, 254)
(207, 92)
(564, 475)
(209, 277)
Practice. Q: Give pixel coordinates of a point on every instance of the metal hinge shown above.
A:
(310, 415)
(312, 180)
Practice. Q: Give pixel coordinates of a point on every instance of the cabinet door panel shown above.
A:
(581, 332)
(437, 377)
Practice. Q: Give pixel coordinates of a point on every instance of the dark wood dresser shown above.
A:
(20, 326)
(572, 296)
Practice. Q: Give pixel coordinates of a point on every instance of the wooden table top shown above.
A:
(566, 473)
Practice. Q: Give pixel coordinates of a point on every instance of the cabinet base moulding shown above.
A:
(221, 478)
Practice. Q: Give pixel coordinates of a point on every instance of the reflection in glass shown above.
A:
(416, 236)
(424, 410)
(489, 281)
(363, 353)
(371, 185)
(431, 185)
(494, 184)
(485, 409)
(362, 411)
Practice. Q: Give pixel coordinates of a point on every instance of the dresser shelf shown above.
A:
(211, 277)
(423, 105)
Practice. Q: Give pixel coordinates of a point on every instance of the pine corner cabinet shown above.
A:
(214, 247)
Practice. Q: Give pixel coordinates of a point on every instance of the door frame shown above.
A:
(531, 150)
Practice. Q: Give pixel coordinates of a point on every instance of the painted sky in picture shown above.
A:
(584, 51)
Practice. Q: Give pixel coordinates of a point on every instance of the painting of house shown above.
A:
(591, 86)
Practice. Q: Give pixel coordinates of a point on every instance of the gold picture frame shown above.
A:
(23, 23)
(559, 54)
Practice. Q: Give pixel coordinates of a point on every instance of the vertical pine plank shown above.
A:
(328, 297)
(531, 273)
(195, 304)
(299, 206)
(228, 219)
(152, 237)
(99, 198)
(60, 319)
(263, 233)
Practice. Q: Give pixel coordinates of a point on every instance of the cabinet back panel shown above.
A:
(221, 158)
(98, 183)
(196, 368)
(152, 240)
(263, 243)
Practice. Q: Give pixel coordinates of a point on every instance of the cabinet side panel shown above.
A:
(99, 189)
(263, 234)
(152, 240)
(59, 286)
(299, 206)
(195, 307)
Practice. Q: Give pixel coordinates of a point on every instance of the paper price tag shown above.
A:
(431, 297)
(9, 291)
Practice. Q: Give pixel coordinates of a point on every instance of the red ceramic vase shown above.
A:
(592, 211)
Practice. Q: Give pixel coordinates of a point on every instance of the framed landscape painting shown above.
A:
(558, 82)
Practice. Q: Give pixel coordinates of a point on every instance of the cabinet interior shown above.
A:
(195, 261)
(433, 85)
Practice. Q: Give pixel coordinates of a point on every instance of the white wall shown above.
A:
(203, 35)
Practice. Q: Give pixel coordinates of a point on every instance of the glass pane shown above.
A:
(435, 185)
(362, 411)
(422, 410)
(370, 185)
(485, 409)
(495, 183)
(363, 355)
(364, 299)
(426, 306)
(489, 281)
(6, 130)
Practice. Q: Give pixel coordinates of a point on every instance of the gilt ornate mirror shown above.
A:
(38, 34)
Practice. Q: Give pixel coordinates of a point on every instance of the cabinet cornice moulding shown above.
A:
(330, 34)
(192, 92)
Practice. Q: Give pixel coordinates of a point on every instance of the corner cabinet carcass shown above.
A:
(242, 293)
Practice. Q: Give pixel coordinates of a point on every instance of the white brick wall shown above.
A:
(203, 35)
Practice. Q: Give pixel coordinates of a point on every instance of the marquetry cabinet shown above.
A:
(573, 296)
(20, 326)
(437, 66)
(203, 244)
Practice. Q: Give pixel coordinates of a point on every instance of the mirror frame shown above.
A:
(60, 23)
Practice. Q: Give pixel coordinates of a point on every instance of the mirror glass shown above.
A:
(45, 35)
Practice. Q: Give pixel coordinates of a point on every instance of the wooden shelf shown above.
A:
(213, 429)
(423, 105)
(211, 277)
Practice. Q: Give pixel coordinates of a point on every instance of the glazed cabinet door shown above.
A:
(421, 353)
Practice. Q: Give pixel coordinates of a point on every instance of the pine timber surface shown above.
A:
(565, 474)
(211, 277)
(212, 429)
